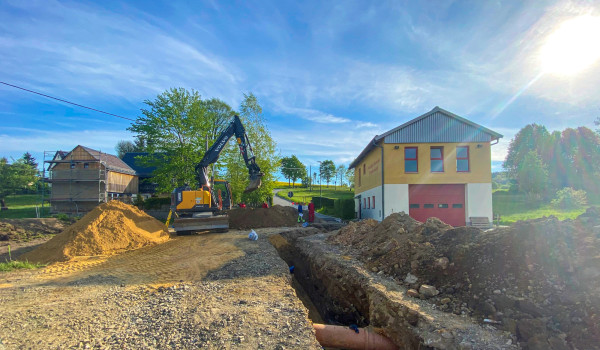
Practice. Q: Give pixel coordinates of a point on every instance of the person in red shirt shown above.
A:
(265, 205)
(311, 211)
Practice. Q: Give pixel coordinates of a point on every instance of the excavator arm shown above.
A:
(212, 155)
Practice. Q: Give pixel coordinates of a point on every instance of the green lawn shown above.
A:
(304, 195)
(23, 206)
(514, 207)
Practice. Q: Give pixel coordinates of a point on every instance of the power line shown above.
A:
(60, 99)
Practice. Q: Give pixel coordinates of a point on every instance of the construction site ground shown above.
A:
(217, 290)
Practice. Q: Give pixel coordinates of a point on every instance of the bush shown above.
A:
(156, 202)
(569, 198)
(323, 202)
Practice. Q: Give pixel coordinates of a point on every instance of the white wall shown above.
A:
(372, 213)
(479, 200)
(396, 198)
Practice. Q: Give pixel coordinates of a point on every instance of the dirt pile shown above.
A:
(538, 279)
(20, 230)
(276, 216)
(110, 228)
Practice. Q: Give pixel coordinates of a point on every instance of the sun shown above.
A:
(573, 47)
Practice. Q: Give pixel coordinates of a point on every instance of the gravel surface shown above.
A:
(247, 302)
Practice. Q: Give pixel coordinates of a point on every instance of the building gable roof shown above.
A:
(111, 162)
(435, 126)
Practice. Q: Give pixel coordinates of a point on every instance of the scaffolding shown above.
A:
(80, 184)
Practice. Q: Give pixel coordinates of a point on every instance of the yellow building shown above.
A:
(436, 165)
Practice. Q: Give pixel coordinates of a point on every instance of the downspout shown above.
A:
(382, 182)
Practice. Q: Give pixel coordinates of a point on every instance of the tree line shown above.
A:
(293, 169)
(540, 163)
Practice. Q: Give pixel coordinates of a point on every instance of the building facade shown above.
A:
(84, 177)
(436, 165)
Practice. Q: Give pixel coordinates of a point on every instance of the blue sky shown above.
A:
(329, 75)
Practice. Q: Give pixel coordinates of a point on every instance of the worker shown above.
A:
(300, 218)
(311, 211)
(265, 205)
(242, 205)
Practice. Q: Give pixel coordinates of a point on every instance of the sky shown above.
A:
(329, 75)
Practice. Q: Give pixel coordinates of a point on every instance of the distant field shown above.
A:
(514, 207)
(23, 206)
(304, 195)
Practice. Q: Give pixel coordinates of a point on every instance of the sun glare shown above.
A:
(573, 47)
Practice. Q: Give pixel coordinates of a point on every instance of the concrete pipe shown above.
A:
(345, 338)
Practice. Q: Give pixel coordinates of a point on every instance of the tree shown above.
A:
(532, 176)
(327, 170)
(175, 124)
(13, 177)
(341, 171)
(292, 168)
(265, 151)
(350, 178)
(29, 160)
(532, 137)
(123, 147)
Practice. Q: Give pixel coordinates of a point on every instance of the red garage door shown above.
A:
(446, 202)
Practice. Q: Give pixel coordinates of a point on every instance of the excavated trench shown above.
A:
(338, 290)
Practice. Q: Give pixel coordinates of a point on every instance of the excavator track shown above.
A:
(187, 226)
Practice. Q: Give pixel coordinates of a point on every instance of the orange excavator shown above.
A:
(205, 208)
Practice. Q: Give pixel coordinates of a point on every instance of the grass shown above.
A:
(304, 195)
(23, 206)
(515, 207)
(284, 184)
(13, 265)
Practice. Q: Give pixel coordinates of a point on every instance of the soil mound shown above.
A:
(20, 230)
(110, 228)
(539, 279)
(276, 216)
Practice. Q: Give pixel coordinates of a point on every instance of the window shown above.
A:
(442, 205)
(411, 161)
(437, 159)
(369, 198)
(414, 206)
(373, 202)
(427, 205)
(86, 165)
(457, 205)
(72, 165)
(462, 158)
(365, 203)
(365, 168)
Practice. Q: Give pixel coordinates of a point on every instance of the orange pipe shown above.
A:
(330, 336)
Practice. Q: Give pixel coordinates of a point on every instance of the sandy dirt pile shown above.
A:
(276, 216)
(539, 279)
(110, 228)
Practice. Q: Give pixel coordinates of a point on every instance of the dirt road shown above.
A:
(215, 290)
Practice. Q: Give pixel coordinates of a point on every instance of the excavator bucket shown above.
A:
(254, 183)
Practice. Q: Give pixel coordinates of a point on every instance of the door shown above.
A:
(445, 202)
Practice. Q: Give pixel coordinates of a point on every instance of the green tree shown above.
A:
(123, 147)
(327, 170)
(264, 148)
(350, 177)
(532, 176)
(14, 177)
(175, 124)
(30, 160)
(292, 169)
(341, 172)
(532, 137)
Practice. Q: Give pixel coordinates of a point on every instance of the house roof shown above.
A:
(141, 170)
(437, 125)
(111, 162)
